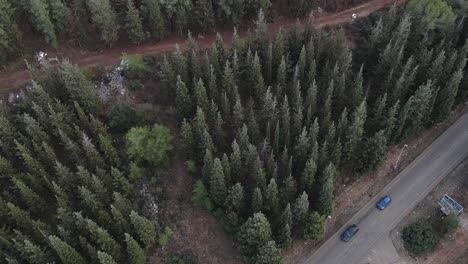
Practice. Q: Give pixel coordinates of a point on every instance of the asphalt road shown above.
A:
(409, 187)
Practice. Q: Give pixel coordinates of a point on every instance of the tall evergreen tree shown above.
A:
(40, 19)
(355, 133)
(151, 11)
(218, 189)
(301, 208)
(325, 199)
(254, 233)
(134, 25)
(10, 35)
(374, 154)
(145, 229)
(203, 15)
(257, 200)
(136, 253)
(65, 252)
(105, 19)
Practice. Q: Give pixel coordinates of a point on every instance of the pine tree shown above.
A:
(257, 200)
(203, 15)
(145, 229)
(79, 89)
(301, 208)
(227, 169)
(269, 64)
(257, 170)
(356, 95)
(103, 239)
(235, 198)
(310, 103)
(93, 156)
(268, 254)
(236, 161)
(419, 109)
(374, 154)
(288, 189)
(254, 233)
(308, 176)
(35, 254)
(152, 14)
(105, 19)
(187, 140)
(314, 227)
(59, 14)
(284, 239)
(287, 216)
(34, 201)
(325, 200)
(66, 253)
(201, 96)
(272, 198)
(285, 122)
(193, 59)
(280, 77)
(237, 115)
(218, 189)
(135, 252)
(134, 25)
(258, 82)
(106, 147)
(9, 32)
(182, 100)
(105, 258)
(39, 15)
(446, 97)
(355, 133)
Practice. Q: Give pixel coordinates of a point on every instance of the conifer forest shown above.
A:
(266, 124)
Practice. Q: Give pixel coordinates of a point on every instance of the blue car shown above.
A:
(384, 202)
(349, 233)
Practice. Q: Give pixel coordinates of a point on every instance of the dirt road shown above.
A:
(410, 186)
(11, 80)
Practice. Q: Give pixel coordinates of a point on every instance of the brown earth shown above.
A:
(14, 77)
(350, 197)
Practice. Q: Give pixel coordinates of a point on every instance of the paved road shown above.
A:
(409, 187)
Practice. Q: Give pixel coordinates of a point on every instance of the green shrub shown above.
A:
(191, 167)
(88, 74)
(135, 172)
(419, 238)
(164, 237)
(149, 59)
(150, 145)
(449, 224)
(135, 66)
(134, 85)
(200, 196)
(121, 118)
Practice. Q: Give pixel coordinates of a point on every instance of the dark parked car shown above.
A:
(384, 202)
(349, 233)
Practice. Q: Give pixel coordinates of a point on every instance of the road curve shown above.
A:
(407, 189)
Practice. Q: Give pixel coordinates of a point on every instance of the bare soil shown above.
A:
(452, 248)
(352, 195)
(14, 77)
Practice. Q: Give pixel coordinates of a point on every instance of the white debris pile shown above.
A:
(113, 87)
(150, 205)
(15, 98)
